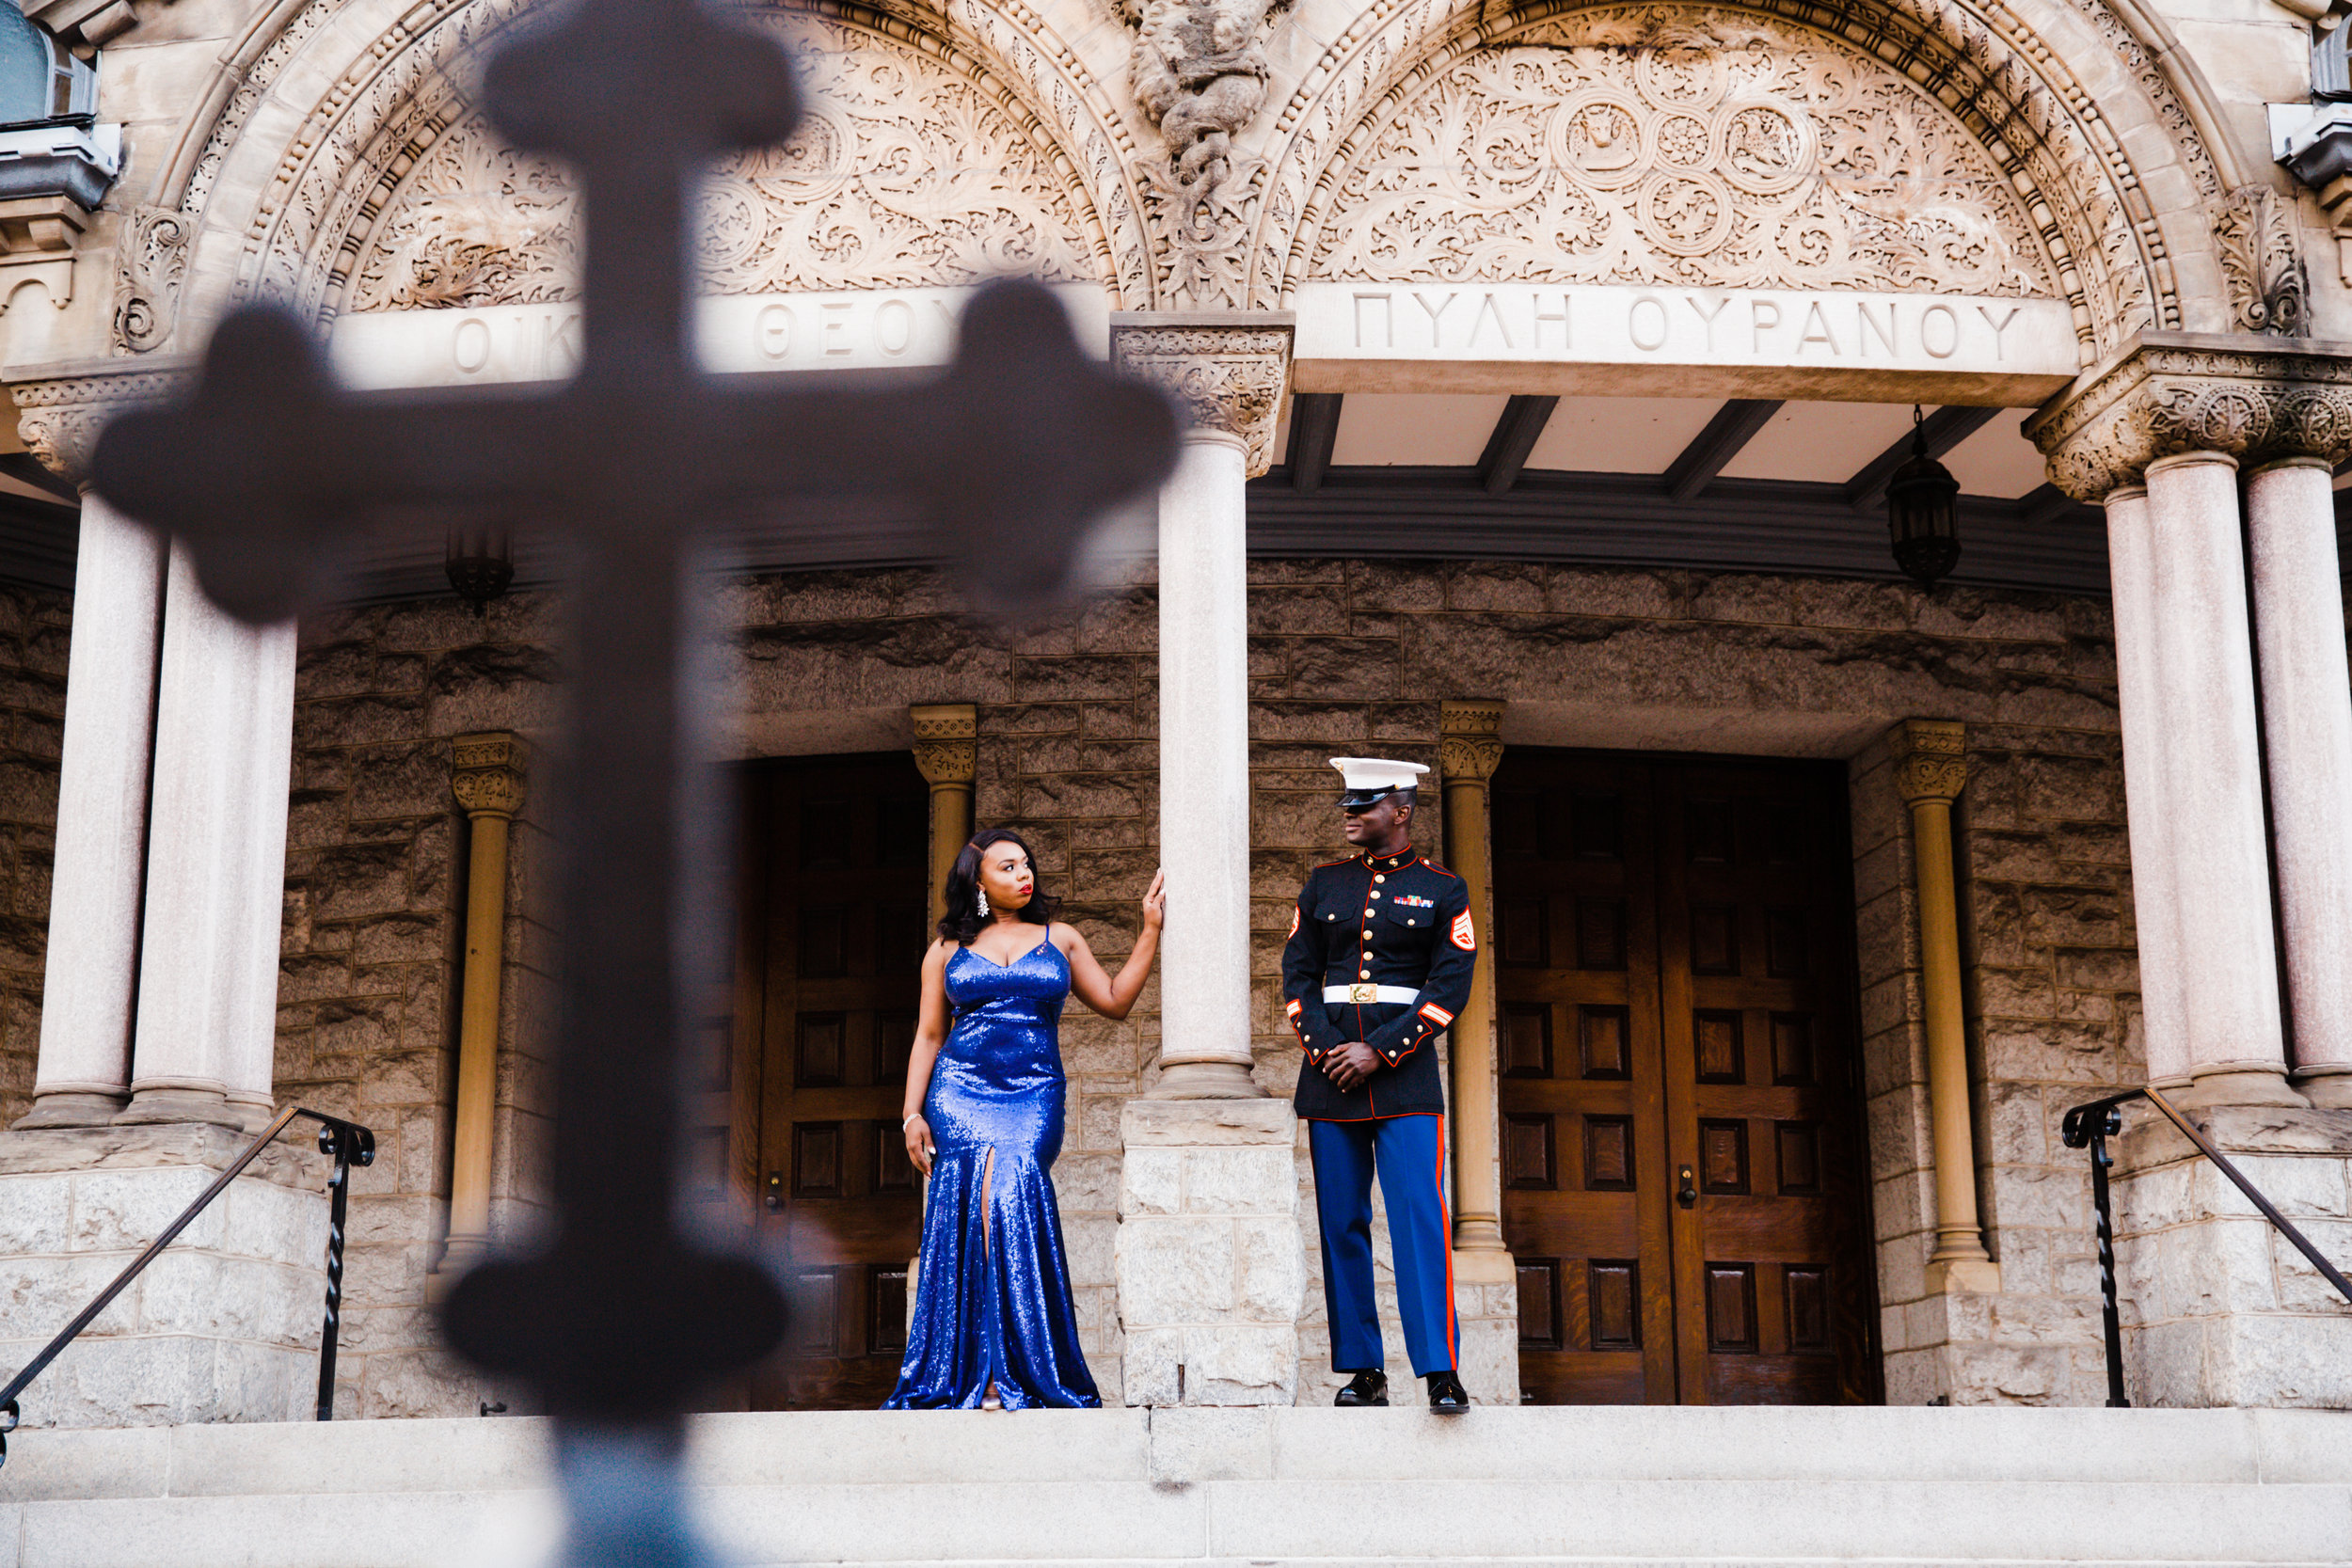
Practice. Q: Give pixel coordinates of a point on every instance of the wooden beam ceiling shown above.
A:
(1734, 426)
(1945, 428)
(1314, 430)
(1515, 435)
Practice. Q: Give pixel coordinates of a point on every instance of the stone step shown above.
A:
(1284, 1488)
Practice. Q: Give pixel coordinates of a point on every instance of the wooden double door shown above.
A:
(1685, 1178)
(835, 910)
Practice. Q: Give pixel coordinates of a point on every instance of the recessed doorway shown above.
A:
(1684, 1169)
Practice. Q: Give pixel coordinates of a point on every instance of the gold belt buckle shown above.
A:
(1363, 994)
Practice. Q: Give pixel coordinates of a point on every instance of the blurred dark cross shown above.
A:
(268, 471)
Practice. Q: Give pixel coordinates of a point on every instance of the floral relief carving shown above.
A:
(2262, 261)
(1666, 144)
(152, 259)
(1229, 378)
(903, 176)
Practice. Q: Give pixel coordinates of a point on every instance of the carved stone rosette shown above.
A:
(947, 743)
(1930, 760)
(61, 408)
(1469, 745)
(1228, 369)
(2258, 399)
(486, 773)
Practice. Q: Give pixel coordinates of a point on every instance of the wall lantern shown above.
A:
(1923, 511)
(479, 560)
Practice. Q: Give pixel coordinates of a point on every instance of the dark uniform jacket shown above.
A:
(1401, 921)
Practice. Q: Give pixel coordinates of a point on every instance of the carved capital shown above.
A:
(1930, 760)
(1228, 368)
(61, 408)
(486, 773)
(947, 744)
(1469, 744)
(2258, 399)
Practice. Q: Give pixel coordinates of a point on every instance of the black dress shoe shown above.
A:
(1447, 1396)
(1366, 1388)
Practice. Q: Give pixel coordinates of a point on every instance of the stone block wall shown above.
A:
(36, 626)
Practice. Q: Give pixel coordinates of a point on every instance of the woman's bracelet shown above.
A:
(910, 1117)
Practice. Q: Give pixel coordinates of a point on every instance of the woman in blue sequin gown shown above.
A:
(991, 1324)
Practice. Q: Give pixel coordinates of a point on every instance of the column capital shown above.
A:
(1470, 743)
(947, 742)
(2256, 399)
(486, 773)
(1930, 760)
(62, 407)
(1228, 367)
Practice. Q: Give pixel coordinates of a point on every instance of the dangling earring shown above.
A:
(983, 903)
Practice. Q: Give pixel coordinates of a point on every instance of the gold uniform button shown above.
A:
(1378, 879)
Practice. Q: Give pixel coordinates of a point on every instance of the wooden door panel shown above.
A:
(1675, 991)
(834, 937)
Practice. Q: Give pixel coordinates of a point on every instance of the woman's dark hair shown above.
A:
(963, 921)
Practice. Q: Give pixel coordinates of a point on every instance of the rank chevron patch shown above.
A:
(1464, 938)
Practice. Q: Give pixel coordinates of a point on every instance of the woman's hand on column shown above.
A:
(920, 1148)
(1155, 901)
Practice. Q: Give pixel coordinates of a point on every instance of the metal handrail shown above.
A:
(2090, 1126)
(348, 1141)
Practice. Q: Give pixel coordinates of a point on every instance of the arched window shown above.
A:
(41, 81)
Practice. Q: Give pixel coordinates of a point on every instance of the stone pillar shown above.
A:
(2131, 568)
(2221, 853)
(91, 974)
(1486, 1279)
(486, 776)
(2307, 734)
(207, 1024)
(1930, 769)
(947, 753)
(1228, 369)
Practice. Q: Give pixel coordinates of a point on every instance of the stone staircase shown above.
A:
(1255, 1487)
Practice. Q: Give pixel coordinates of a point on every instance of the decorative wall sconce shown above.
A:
(479, 560)
(1923, 511)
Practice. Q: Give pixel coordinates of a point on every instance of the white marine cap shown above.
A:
(1371, 779)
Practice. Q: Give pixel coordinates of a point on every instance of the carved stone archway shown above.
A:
(2092, 231)
(353, 146)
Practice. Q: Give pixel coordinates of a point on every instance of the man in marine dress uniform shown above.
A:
(1379, 960)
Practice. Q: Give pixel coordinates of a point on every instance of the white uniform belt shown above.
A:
(1366, 996)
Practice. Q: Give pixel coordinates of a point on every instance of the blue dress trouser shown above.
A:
(1409, 1154)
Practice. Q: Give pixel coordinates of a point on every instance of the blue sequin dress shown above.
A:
(991, 1300)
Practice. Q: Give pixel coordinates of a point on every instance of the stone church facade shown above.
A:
(1812, 898)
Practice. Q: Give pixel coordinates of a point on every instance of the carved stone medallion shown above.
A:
(1680, 145)
(903, 176)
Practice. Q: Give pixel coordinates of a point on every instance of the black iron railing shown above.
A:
(2089, 1127)
(349, 1143)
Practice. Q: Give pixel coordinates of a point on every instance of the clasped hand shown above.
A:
(1351, 1064)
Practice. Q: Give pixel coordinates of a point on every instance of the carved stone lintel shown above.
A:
(486, 773)
(946, 745)
(1227, 368)
(1469, 744)
(1931, 759)
(2257, 399)
(61, 408)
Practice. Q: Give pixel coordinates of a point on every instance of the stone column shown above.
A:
(2306, 732)
(83, 1073)
(2213, 772)
(207, 1024)
(486, 776)
(1228, 369)
(2131, 568)
(1930, 769)
(947, 753)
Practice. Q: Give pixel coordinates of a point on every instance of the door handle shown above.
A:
(1687, 1195)
(775, 1192)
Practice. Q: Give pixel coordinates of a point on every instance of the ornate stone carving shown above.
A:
(486, 773)
(1931, 759)
(151, 260)
(2261, 261)
(1228, 370)
(946, 745)
(1673, 144)
(904, 176)
(1200, 71)
(1469, 744)
(2256, 399)
(60, 409)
